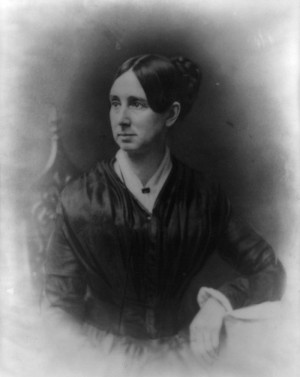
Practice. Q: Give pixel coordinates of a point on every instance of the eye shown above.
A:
(114, 103)
(138, 104)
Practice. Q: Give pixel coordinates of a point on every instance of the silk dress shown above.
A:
(112, 264)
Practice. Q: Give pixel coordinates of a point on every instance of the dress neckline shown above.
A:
(108, 166)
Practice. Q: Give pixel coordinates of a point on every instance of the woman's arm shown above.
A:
(261, 278)
(262, 275)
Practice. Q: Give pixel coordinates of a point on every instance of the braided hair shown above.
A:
(165, 80)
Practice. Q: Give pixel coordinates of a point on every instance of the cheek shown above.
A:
(158, 124)
(112, 118)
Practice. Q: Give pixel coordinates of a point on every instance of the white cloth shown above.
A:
(134, 184)
(206, 293)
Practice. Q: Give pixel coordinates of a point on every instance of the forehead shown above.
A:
(127, 85)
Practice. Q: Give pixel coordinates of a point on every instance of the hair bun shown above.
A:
(189, 81)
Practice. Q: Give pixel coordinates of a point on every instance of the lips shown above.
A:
(124, 135)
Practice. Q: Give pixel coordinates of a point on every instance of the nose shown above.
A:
(124, 120)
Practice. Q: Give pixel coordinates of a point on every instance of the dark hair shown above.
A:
(165, 80)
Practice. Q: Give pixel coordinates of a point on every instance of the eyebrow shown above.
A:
(133, 98)
(112, 96)
(130, 98)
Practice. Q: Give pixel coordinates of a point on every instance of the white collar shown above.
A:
(135, 186)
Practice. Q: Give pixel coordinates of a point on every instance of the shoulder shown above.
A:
(200, 179)
(198, 183)
(80, 192)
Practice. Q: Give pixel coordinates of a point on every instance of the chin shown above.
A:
(128, 146)
(132, 150)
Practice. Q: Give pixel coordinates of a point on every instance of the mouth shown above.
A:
(125, 135)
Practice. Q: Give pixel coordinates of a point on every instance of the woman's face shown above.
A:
(135, 126)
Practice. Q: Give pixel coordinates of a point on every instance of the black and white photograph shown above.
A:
(149, 188)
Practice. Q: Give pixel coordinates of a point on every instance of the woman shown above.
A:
(133, 235)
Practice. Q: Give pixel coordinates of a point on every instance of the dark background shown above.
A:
(242, 127)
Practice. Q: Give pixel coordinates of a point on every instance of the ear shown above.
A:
(173, 114)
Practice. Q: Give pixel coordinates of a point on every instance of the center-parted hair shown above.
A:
(165, 80)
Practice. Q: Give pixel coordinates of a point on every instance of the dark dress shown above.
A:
(112, 264)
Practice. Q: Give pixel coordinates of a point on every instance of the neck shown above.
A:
(144, 165)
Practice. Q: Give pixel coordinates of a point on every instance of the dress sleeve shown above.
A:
(65, 282)
(261, 275)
